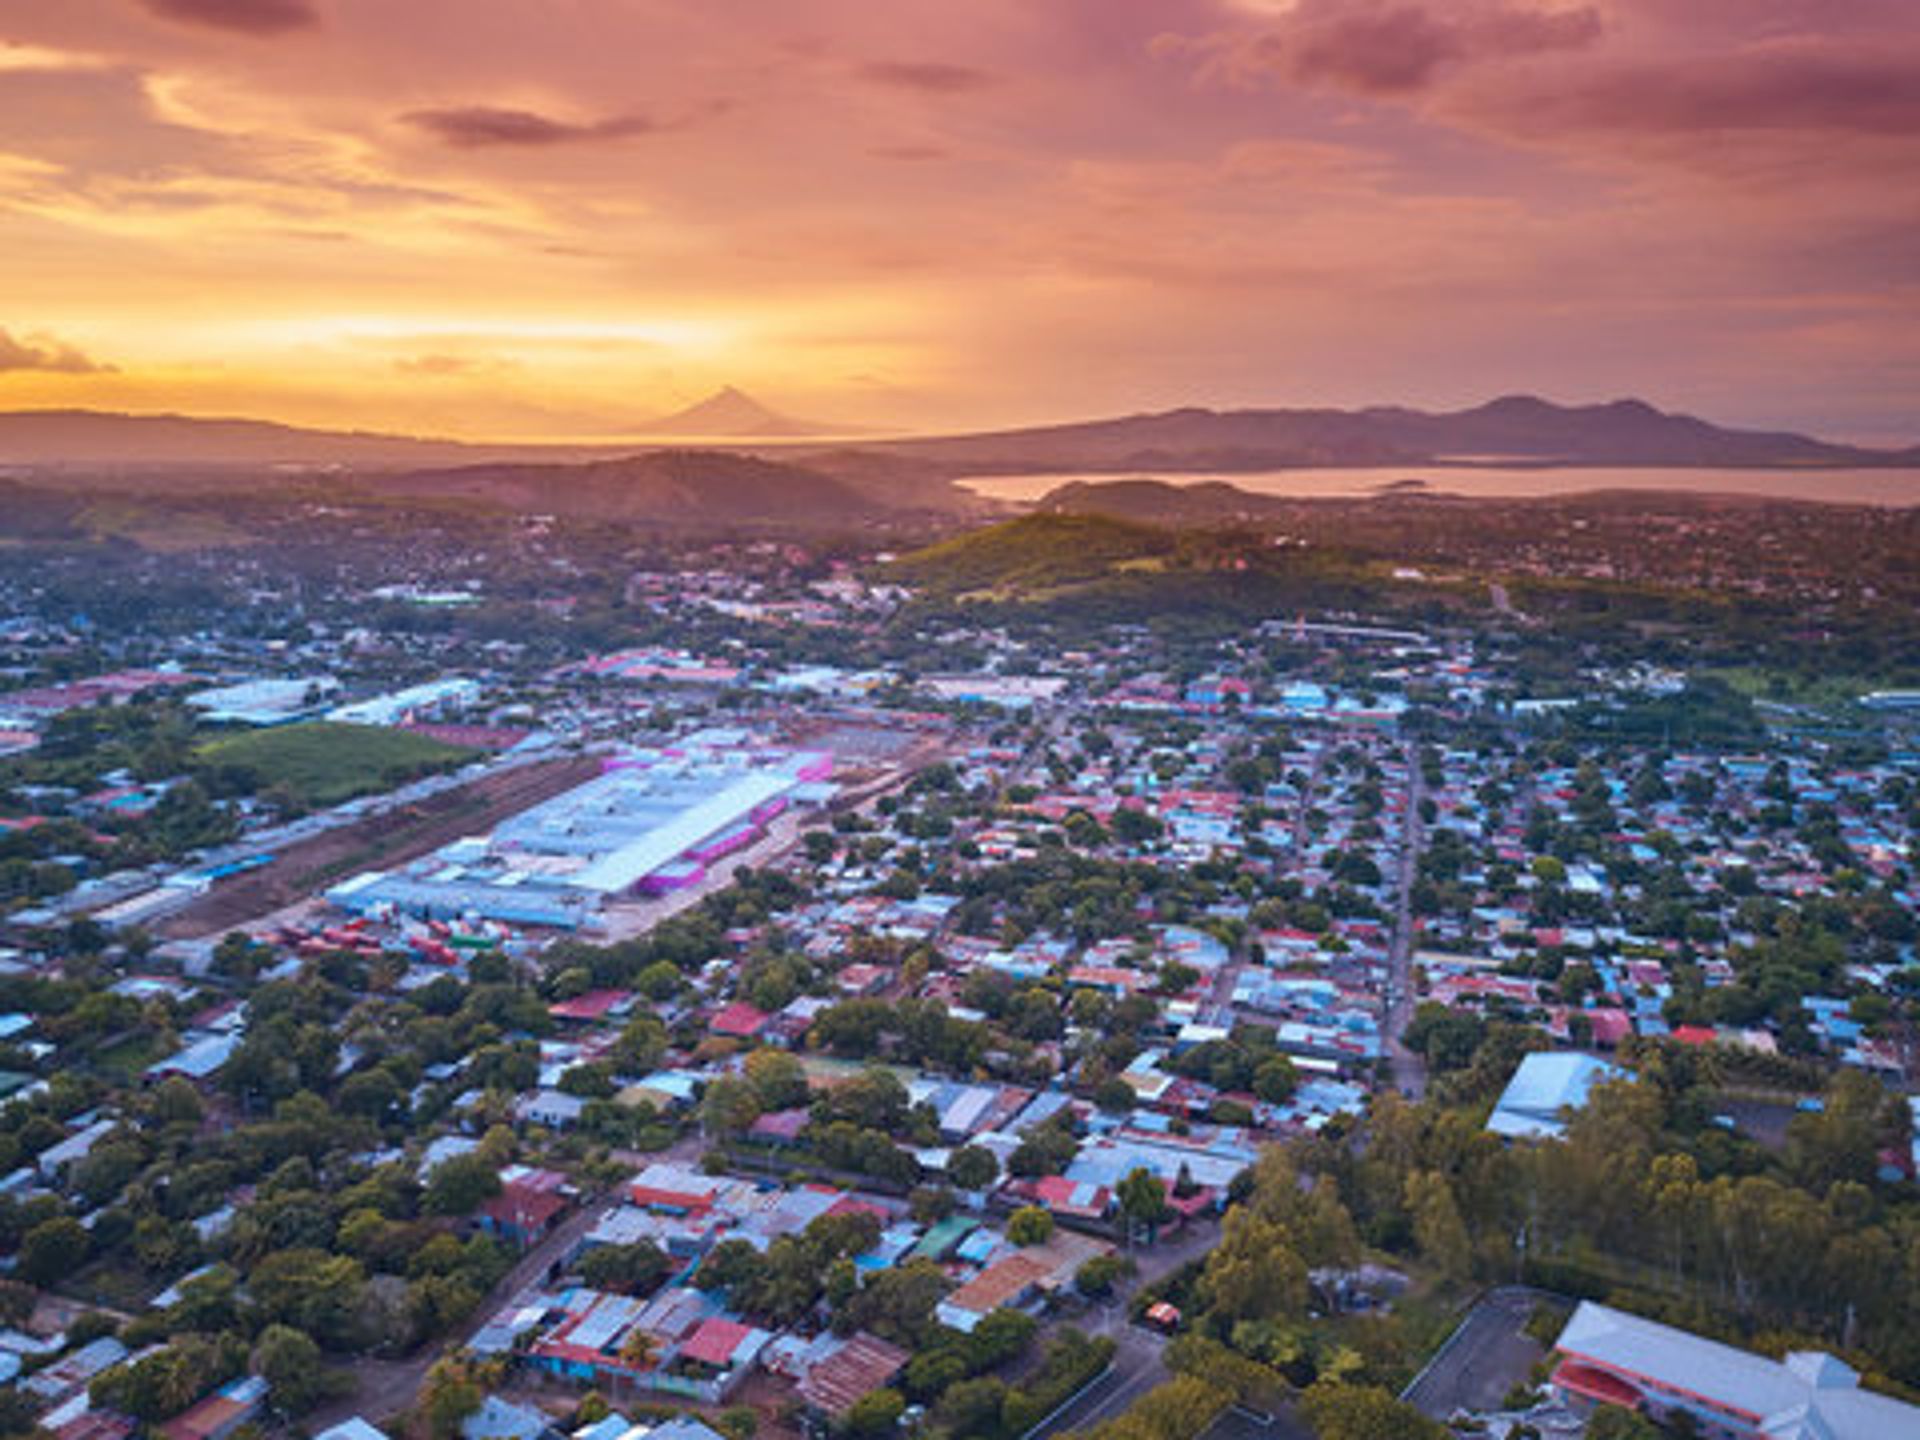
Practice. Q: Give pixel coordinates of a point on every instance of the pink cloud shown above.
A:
(475, 127)
(1384, 47)
(1796, 86)
(249, 17)
(927, 75)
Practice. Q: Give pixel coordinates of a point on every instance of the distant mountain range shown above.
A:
(1514, 430)
(738, 482)
(685, 488)
(95, 439)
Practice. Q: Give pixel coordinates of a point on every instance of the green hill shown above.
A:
(324, 763)
(1094, 569)
(1034, 556)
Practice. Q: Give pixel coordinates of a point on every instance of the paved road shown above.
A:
(1239, 1423)
(1139, 1363)
(1397, 998)
(1485, 1357)
(1138, 1366)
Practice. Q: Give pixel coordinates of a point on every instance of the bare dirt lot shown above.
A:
(391, 837)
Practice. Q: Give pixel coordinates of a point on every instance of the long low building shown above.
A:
(1609, 1357)
(652, 822)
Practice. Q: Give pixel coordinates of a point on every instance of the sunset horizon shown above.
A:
(569, 220)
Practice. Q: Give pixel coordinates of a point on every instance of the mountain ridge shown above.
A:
(1511, 429)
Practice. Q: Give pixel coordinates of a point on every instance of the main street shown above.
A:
(1397, 997)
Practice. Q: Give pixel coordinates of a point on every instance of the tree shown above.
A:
(1275, 1080)
(460, 1185)
(1098, 1276)
(630, 1269)
(1254, 1273)
(290, 1363)
(1438, 1228)
(53, 1250)
(1136, 827)
(777, 1079)
(876, 1413)
(1030, 1225)
(452, 1392)
(1178, 1409)
(1614, 1422)
(312, 1291)
(1143, 1199)
(729, 1106)
(1364, 1412)
(973, 1167)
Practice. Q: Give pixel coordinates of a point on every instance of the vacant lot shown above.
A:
(391, 837)
(323, 764)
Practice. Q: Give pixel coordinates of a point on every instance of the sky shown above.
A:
(562, 218)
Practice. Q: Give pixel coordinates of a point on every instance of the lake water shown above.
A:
(1846, 487)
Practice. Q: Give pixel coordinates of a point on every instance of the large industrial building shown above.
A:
(1611, 1357)
(651, 822)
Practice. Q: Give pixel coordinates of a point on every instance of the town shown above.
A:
(770, 987)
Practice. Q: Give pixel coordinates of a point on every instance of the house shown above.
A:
(55, 1159)
(237, 1403)
(739, 1021)
(1011, 1282)
(199, 1060)
(71, 1374)
(593, 1007)
(677, 1189)
(1074, 1199)
(1546, 1085)
(352, 1428)
(1609, 1357)
(499, 1419)
(530, 1202)
(553, 1109)
(722, 1344)
(864, 1364)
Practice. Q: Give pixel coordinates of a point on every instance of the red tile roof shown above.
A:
(594, 1005)
(738, 1019)
(523, 1209)
(715, 1342)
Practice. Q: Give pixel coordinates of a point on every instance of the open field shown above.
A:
(324, 763)
(391, 837)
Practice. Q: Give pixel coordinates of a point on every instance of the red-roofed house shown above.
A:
(739, 1020)
(221, 1413)
(593, 1006)
(782, 1127)
(1073, 1198)
(520, 1215)
(716, 1342)
(1609, 1027)
(679, 1189)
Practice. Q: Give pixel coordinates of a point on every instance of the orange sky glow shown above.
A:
(561, 218)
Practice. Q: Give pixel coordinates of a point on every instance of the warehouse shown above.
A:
(653, 821)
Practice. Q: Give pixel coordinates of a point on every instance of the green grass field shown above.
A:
(325, 763)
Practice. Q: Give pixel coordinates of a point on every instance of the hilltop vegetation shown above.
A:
(1097, 569)
(1034, 554)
